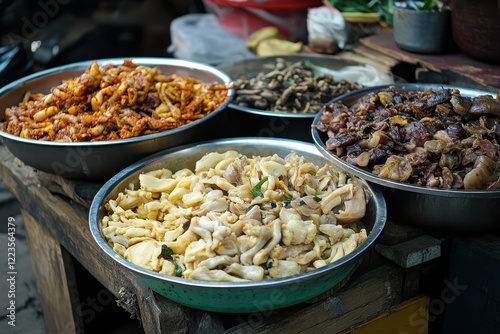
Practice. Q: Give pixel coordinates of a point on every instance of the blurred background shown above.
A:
(40, 34)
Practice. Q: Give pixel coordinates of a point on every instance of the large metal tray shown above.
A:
(429, 208)
(100, 160)
(252, 66)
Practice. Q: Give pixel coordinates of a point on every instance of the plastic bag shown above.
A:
(199, 37)
(328, 22)
(366, 75)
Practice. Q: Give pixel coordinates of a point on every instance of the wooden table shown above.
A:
(55, 212)
(452, 67)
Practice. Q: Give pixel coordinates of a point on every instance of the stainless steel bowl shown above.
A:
(100, 160)
(236, 297)
(428, 208)
(246, 121)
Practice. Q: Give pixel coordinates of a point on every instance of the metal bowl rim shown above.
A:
(270, 112)
(153, 61)
(480, 193)
(266, 59)
(381, 217)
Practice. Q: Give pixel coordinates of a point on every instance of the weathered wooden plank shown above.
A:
(411, 282)
(409, 317)
(366, 55)
(13, 171)
(54, 279)
(412, 252)
(56, 184)
(453, 62)
(358, 301)
(395, 233)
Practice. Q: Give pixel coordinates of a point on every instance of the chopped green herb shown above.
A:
(249, 208)
(178, 268)
(317, 199)
(267, 265)
(256, 189)
(287, 199)
(326, 254)
(167, 253)
(302, 203)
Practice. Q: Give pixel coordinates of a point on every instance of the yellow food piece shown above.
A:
(355, 17)
(276, 46)
(261, 34)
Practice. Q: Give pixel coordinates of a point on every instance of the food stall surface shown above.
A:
(406, 279)
(27, 299)
(28, 314)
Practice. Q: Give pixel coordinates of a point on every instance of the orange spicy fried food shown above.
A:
(113, 102)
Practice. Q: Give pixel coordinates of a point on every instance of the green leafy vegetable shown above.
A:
(317, 199)
(326, 254)
(287, 199)
(167, 253)
(426, 5)
(267, 265)
(382, 7)
(356, 6)
(249, 208)
(256, 189)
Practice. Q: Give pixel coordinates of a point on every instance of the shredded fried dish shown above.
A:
(237, 218)
(111, 102)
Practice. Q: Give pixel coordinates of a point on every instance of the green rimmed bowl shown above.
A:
(237, 297)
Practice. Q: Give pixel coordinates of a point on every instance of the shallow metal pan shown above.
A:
(247, 121)
(100, 160)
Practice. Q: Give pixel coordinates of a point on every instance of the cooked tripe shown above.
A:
(238, 218)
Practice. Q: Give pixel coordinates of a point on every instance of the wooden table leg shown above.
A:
(54, 275)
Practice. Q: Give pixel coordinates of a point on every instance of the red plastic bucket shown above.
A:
(243, 17)
(271, 4)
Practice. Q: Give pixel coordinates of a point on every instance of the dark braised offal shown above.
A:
(431, 138)
(289, 87)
